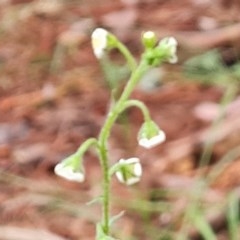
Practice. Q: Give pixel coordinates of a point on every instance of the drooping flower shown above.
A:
(71, 169)
(130, 171)
(99, 41)
(150, 135)
(168, 46)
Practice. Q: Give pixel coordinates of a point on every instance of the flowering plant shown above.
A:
(127, 171)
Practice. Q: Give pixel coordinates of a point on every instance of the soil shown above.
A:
(53, 96)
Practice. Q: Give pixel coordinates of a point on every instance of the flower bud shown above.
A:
(149, 39)
(99, 41)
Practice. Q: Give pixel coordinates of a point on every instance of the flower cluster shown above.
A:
(149, 135)
(164, 51)
(129, 171)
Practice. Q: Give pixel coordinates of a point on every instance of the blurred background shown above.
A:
(54, 94)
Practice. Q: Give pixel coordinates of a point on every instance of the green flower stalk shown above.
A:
(71, 168)
(128, 171)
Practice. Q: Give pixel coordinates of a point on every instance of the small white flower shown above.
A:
(99, 41)
(150, 135)
(68, 173)
(130, 171)
(153, 141)
(169, 44)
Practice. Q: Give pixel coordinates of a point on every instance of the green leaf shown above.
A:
(114, 74)
(116, 217)
(208, 68)
(95, 200)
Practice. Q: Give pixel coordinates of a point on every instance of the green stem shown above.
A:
(233, 216)
(140, 105)
(103, 137)
(86, 145)
(142, 68)
(228, 96)
(203, 226)
(125, 52)
(106, 187)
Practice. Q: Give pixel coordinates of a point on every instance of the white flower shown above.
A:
(150, 135)
(130, 171)
(99, 41)
(67, 169)
(169, 44)
(69, 173)
(153, 141)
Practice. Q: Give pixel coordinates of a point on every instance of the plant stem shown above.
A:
(87, 144)
(228, 96)
(140, 105)
(125, 52)
(103, 137)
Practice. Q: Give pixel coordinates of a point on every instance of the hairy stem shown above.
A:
(125, 52)
(103, 137)
(140, 105)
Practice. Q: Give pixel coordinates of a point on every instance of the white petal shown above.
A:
(138, 169)
(99, 41)
(128, 181)
(172, 41)
(173, 59)
(130, 160)
(120, 177)
(132, 180)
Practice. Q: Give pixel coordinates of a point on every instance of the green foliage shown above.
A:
(114, 74)
(209, 68)
(233, 216)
